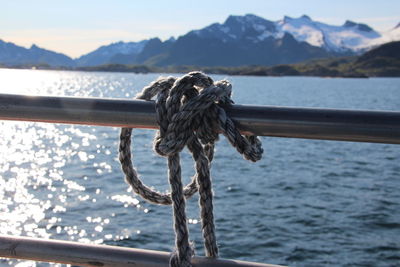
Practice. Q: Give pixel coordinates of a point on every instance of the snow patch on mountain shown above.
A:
(303, 29)
(389, 36)
(349, 37)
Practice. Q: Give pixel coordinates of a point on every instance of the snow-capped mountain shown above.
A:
(350, 36)
(235, 28)
(228, 46)
(105, 53)
(250, 39)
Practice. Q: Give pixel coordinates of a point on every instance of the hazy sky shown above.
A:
(75, 27)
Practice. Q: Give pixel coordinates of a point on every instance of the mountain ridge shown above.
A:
(239, 40)
(383, 61)
(105, 53)
(12, 54)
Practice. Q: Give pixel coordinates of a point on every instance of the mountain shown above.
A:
(239, 40)
(252, 40)
(154, 50)
(245, 40)
(248, 27)
(192, 49)
(112, 53)
(11, 55)
(350, 36)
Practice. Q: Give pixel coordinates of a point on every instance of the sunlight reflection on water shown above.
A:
(36, 191)
(39, 189)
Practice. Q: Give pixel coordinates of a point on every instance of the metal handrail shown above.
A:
(75, 253)
(310, 123)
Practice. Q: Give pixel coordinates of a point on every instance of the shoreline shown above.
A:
(184, 69)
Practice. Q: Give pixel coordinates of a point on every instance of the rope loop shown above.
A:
(190, 112)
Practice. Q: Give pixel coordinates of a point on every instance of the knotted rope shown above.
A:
(190, 112)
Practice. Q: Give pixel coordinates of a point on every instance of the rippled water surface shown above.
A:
(306, 203)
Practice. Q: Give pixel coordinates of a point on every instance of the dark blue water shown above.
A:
(306, 203)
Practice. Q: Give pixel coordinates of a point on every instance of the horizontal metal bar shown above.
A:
(75, 253)
(311, 123)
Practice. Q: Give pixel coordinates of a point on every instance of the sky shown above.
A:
(76, 27)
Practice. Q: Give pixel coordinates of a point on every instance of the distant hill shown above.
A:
(389, 50)
(11, 54)
(381, 61)
(115, 52)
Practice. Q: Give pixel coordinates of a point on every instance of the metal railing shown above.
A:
(80, 254)
(311, 123)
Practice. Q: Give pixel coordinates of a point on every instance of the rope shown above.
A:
(190, 112)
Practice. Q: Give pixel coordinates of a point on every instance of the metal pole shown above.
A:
(75, 253)
(311, 123)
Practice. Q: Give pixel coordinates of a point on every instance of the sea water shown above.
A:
(306, 203)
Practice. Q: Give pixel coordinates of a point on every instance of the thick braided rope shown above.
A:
(183, 86)
(161, 87)
(189, 111)
(201, 168)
